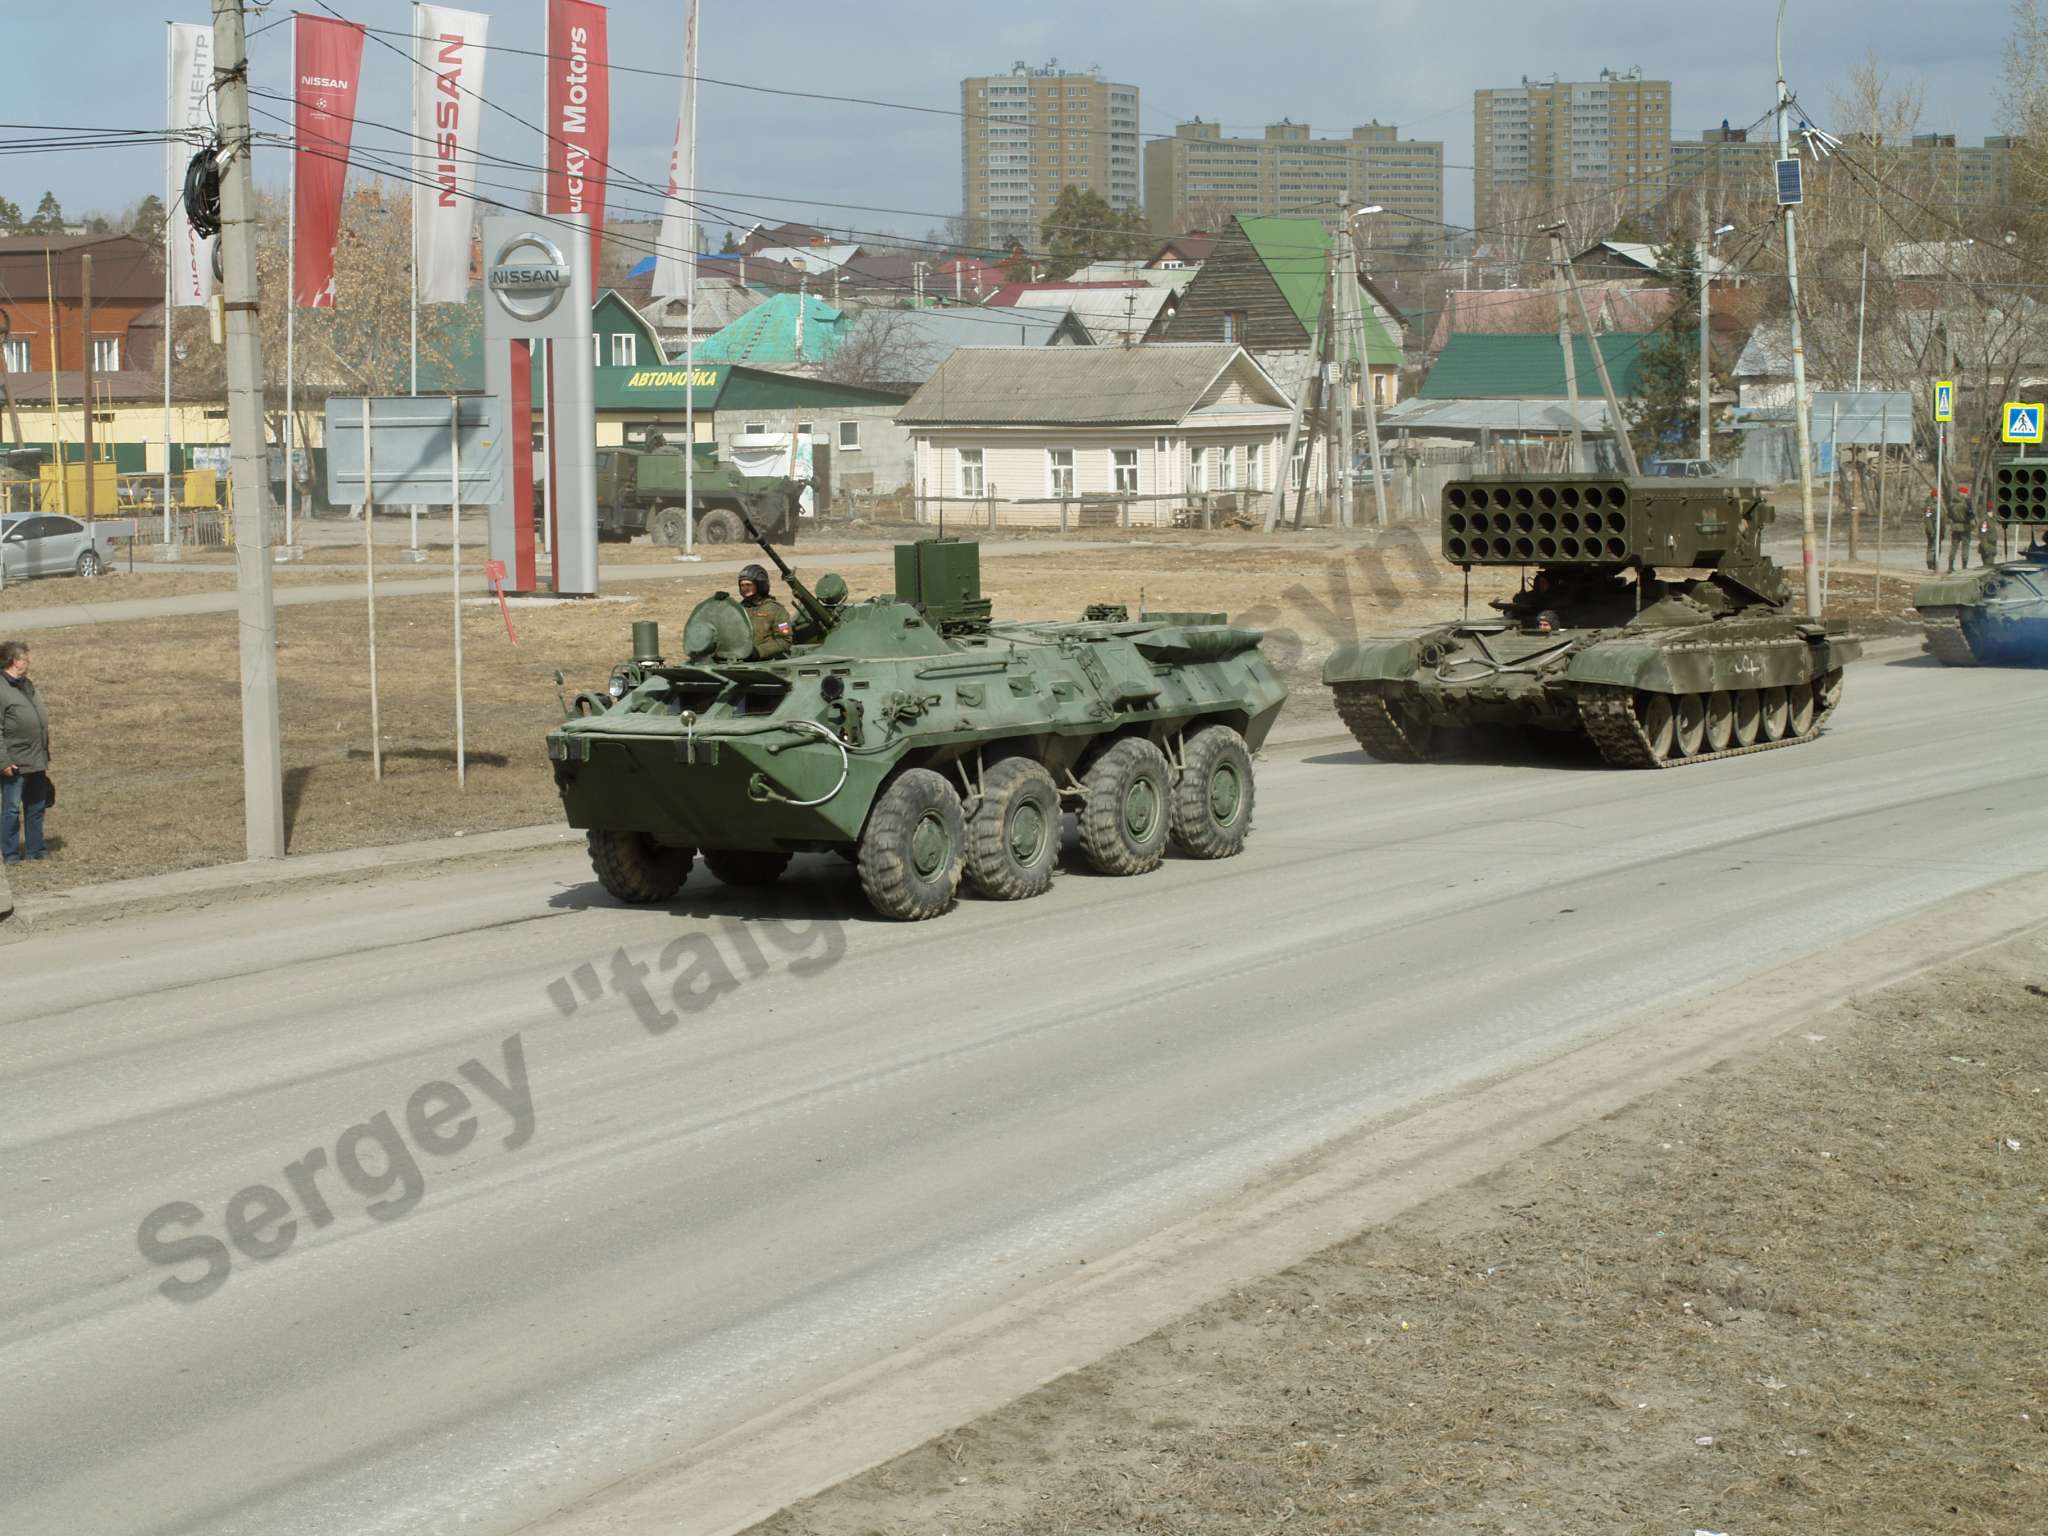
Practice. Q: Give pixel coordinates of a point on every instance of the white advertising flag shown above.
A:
(191, 125)
(448, 89)
(675, 253)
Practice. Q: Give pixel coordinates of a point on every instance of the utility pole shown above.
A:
(1706, 371)
(1356, 297)
(1294, 429)
(262, 754)
(1564, 342)
(1341, 449)
(1799, 405)
(85, 367)
(1620, 427)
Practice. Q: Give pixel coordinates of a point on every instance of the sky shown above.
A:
(1245, 63)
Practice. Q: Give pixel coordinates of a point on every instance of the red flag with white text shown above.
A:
(327, 64)
(579, 114)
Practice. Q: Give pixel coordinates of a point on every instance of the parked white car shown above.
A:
(50, 544)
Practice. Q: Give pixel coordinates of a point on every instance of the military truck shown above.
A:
(641, 490)
(1997, 615)
(919, 737)
(1658, 670)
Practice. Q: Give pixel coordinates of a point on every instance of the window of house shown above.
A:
(597, 349)
(1226, 469)
(803, 428)
(625, 349)
(971, 482)
(1059, 472)
(1159, 445)
(1123, 469)
(755, 427)
(17, 356)
(1255, 467)
(106, 354)
(849, 436)
(1234, 325)
(1196, 458)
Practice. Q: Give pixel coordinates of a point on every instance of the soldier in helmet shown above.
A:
(770, 619)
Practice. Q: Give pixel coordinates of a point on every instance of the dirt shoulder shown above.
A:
(1797, 1292)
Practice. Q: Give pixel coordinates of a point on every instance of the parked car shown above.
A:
(1681, 469)
(50, 544)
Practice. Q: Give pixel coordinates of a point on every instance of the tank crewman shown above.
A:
(772, 630)
(1933, 562)
(1961, 529)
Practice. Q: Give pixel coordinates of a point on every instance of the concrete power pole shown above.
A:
(1799, 406)
(262, 755)
(85, 368)
(1706, 372)
(1564, 341)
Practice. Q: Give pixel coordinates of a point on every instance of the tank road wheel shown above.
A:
(1749, 717)
(720, 526)
(1827, 692)
(1212, 804)
(1124, 823)
(633, 867)
(1777, 715)
(1659, 723)
(746, 866)
(1689, 716)
(670, 525)
(1013, 837)
(1799, 709)
(1720, 721)
(911, 851)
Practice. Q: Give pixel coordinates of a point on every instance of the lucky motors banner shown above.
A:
(191, 124)
(671, 260)
(328, 59)
(579, 113)
(448, 88)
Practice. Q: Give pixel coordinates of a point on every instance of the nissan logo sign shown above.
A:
(529, 277)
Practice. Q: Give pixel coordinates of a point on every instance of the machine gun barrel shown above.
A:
(810, 604)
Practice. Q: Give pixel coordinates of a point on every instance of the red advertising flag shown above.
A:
(579, 114)
(326, 67)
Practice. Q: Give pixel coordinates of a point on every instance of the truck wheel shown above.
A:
(1124, 823)
(911, 852)
(633, 867)
(1212, 803)
(745, 866)
(1013, 838)
(718, 526)
(670, 525)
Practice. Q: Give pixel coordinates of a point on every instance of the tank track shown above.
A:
(1946, 642)
(1363, 708)
(1609, 716)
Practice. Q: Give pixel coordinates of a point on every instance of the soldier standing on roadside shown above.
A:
(1933, 564)
(1987, 541)
(1960, 530)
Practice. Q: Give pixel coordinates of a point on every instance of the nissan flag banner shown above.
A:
(191, 124)
(448, 88)
(579, 113)
(328, 63)
(672, 255)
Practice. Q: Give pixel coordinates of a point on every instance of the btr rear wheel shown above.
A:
(1124, 823)
(1013, 837)
(1212, 803)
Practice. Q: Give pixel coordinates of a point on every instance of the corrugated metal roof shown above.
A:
(1544, 416)
(915, 341)
(1107, 312)
(766, 334)
(1531, 367)
(1293, 251)
(1155, 384)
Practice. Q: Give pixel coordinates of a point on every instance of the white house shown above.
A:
(1035, 436)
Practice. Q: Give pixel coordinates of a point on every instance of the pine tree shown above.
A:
(49, 219)
(1666, 414)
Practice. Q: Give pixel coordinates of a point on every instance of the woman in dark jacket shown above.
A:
(24, 757)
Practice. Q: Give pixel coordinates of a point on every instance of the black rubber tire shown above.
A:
(890, 848)
(1212, 754)
(633, 867)
(1019, 804)
(669, 526)
(90, 564)
(721, 526)
(745, 866)
(1126, 781)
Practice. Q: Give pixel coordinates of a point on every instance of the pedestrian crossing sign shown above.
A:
(1944, 399)
(2023, 421)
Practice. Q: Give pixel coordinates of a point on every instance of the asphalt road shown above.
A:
(653, 1233)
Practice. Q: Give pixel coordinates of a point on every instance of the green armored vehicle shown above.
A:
(641, 490)
(1997, 615)
(919, 737)
(1657, 671)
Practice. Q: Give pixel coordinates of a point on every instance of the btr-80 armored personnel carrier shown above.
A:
(1702, 661)
(1997, 615)
(918, 737)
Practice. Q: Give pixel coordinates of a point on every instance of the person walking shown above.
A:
(24, 758)
(1961, 529)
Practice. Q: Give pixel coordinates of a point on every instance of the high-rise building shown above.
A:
(1028, 135)
(1198, 179)
(1553, 147)
(1966, 176)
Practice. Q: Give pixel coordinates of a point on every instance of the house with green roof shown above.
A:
(791, 330)
(1262, 288)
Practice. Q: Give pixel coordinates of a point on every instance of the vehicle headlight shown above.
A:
(617, 686)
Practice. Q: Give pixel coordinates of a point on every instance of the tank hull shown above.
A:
(1994, 617)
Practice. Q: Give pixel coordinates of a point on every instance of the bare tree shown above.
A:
(883, 349)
